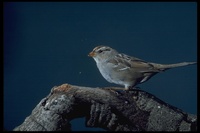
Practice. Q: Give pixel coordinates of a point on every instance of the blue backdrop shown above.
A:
(46, 44)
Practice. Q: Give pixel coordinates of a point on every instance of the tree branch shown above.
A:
(106, 108)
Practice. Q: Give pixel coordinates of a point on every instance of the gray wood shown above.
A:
(106, 108)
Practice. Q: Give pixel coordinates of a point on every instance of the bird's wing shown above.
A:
(122, 62)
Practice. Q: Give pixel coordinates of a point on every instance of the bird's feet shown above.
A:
(131, 88)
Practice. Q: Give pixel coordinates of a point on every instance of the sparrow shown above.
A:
(126, 70)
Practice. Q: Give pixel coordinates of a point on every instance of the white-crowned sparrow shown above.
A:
(125, 70)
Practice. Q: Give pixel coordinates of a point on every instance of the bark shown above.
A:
(106, 108)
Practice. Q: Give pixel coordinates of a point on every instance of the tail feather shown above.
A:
(168, 66)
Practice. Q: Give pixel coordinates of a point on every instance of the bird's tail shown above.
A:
(163, 67)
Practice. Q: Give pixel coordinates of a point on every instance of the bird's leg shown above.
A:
(131, 88)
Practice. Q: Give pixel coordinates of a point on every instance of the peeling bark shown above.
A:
(106, 108)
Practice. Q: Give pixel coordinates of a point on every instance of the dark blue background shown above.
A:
(46, 44)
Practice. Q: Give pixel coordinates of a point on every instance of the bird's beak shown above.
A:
(91, 54)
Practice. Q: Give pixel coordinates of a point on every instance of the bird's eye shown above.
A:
(100, 51)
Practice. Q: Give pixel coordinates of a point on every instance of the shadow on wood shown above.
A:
(106, 108)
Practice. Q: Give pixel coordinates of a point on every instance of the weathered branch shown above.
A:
(135, 110)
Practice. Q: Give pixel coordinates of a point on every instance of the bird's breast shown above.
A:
(106, 71)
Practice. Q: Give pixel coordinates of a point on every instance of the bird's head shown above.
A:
(102, 53)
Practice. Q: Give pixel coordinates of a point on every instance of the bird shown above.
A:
(125, 70)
